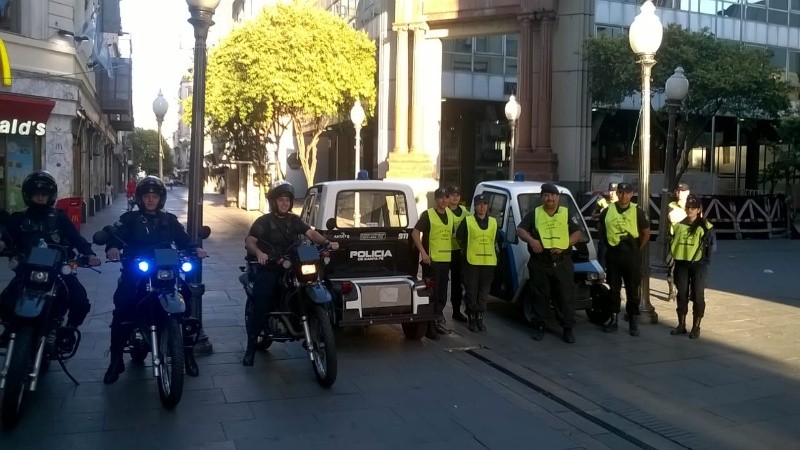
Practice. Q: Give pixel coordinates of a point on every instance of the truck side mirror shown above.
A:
(330, 223)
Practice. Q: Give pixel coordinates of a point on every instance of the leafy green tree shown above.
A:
(785, 168)
(145, 151)
(295, 64)
(725, 78)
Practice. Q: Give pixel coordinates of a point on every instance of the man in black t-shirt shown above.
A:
(269, 237)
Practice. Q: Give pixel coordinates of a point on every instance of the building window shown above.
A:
(610, 31)
(10, 15)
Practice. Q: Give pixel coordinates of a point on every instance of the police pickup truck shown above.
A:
(509, 201)
(374, 273)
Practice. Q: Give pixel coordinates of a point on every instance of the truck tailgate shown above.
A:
(372, 252)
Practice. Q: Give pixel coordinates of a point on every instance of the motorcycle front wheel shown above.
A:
(323, 346)
(170, 379)
(17, 377)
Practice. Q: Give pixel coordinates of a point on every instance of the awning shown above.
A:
(24, 108)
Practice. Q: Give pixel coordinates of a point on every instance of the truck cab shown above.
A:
(509, 202)
(374, 273)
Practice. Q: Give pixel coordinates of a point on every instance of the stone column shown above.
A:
(545, 93)
(524, 85)
(417, 91)
(401, 91)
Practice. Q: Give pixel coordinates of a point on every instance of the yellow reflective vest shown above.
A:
(553, 230)
(440, 240)
(456, 222)
(621, 225)
(480, 243)
(687, 246)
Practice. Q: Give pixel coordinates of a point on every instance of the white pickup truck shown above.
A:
(374, 273)
(509, 201)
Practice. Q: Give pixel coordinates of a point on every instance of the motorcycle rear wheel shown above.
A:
(324, 345)
(16, 379)
(170, 379)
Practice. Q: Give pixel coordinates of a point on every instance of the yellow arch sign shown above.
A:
(5, 66)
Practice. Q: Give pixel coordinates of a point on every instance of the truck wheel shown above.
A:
(599, 313)
(414, 331)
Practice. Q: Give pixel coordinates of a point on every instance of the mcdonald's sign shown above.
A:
(5, 66)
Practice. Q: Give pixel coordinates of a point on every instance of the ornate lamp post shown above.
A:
(160, 107)
(512, 111)
(201, 13)
(645, 38)
(676, 89)
(357, 116)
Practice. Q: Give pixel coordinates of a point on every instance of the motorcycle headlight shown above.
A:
(187, 267)
(165, 274)
(66, 269)
(38, 276)
(308, 269)
(144, 266)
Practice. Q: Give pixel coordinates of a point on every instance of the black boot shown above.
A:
(612, 323)
(681, 328)
(633, 326)
(117, 365)
(250, 353)
(479, 321)
(189, 363)
(458, 316)
(431, 332)
(473, 323)
(695, 333)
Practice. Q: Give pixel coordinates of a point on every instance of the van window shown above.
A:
(373, 209)
(528, 202)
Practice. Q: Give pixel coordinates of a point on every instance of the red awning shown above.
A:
(24, 108)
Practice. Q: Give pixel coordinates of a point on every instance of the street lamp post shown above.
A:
(201, 12)
(357, 116)
(645, 38)
(676, 90)
(160, 107)
(512, 111)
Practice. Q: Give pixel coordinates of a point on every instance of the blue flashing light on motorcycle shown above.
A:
(187, 266)
(144, 266)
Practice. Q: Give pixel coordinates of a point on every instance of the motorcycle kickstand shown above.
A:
(307, 331)
(64, 368)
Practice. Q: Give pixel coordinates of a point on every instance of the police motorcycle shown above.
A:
(303, 311)
(37, 332)
(160, 327)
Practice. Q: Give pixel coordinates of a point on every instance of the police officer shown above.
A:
(433, 238)
(693, 242)
(479, 237)
(137, 232)
(456, 279)
(601, 206)
(550, 234)
(40, 220)
(676, 213)
(626, 230)
(269, 237)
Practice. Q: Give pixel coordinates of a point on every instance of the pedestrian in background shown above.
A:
(433, 237)
(677, 212)
(479, 238)
(601, 206)
(550, 234)
(456, 279)
(626, 230)
(692, 244)
(109, 192)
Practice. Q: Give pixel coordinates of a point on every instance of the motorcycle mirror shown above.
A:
(101, 238)
(110, 229)
(205, 232)
(330, 223)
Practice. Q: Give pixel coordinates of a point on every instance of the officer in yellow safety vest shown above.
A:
(550, 234)
(692, 244)
(433, 238)
(676, 212)
(601, 206)
(626, 230)
(456, 279)
(479, 238)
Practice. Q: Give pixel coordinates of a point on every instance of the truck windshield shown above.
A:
(371, 209)
(527, 202)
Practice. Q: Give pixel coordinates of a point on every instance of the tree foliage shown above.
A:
(293, 64)
(144, 144)
(785, 168)
(725, 78)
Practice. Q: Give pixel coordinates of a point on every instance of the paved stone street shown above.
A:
(736, 387)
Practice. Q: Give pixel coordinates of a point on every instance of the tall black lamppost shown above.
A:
(201, 13)
(512, 110)
(645, 38)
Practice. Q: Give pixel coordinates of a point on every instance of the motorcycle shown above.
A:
(160, 327)
(37, 334)
(303, 310)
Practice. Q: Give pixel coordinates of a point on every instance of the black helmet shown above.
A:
(279, 189)
(39, 181)
(150, 184)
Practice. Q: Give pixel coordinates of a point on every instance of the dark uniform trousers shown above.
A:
(439, 272)
(266, 289)
(690, 279)
(456, 280)
(624, 264)
(478, 281)
(554, 282)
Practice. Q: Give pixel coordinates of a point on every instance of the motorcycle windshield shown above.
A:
(42, 257)
(166, 257)
(307, 253)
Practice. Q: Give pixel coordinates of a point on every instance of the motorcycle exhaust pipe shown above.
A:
(154, 350)
(307, 331)
(7, 363)
(37, 364)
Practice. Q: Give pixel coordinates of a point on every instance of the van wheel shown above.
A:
(414, 331)
(599, 313)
